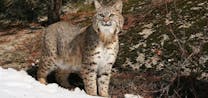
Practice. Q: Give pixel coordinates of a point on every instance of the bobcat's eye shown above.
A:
(101, 15)
(111, 15)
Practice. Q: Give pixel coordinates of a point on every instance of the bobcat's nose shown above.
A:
(106, 21)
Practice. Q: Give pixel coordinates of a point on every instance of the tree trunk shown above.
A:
(54, 11)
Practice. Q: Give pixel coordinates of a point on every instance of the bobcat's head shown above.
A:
(108, 20)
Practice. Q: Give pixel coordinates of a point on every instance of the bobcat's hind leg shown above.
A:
(46, 67)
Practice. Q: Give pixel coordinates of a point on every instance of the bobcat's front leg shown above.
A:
(89, 75)
(104, 79)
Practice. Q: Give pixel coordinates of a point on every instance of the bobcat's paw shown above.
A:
(92, 93)
(42, 80)
(104, 94)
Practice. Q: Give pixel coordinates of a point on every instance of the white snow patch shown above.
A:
(18, 84)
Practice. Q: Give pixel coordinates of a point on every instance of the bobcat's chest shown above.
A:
(105, 55)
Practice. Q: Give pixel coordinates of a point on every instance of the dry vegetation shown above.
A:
(163, 47)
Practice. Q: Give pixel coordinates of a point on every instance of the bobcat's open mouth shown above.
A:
(107, 23)
(108, 27)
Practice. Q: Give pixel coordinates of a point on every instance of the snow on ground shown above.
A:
(18, 84)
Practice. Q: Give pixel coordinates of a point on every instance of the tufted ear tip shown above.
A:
(118, 6)
(97, 4)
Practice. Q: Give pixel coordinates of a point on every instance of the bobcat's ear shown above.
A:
(97, 4)
(118, 6)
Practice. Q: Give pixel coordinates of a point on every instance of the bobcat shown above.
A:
(90, 52)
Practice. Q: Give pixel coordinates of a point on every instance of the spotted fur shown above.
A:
(90, 52)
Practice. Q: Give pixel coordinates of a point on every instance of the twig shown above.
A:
(171, 31)
(177, 94)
